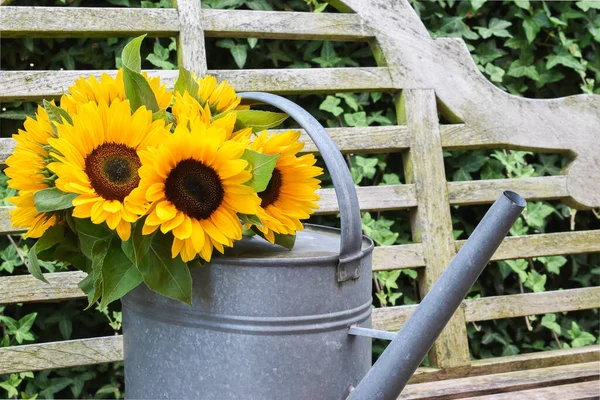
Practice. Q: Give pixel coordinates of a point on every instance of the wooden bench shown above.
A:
(429, 76)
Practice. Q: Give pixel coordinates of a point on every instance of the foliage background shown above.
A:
(534, 49)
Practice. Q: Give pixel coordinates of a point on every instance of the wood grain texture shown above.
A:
(498, 307)
(487, 191)
(431, 222)
(71, 353)
(398, 256)
(26, 288)
(76, 22)
(190, 46)
(38, 85)
(371, 198)
(572, 391)
(445, 65)
(518, 362)
(21, 21)
(547, 244)
(503, 382)
(518, 305)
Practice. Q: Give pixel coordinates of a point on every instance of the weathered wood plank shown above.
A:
(487, 191)
(518, 305)
(76, 22)
(190, 46)
(371, 198)
(26, 288)
(71, 353)
(498, 307)
(37, 85)
(504, 382)
(518, 362)
(546, 244)
(431, 221)
(573, 391)
(400, 256)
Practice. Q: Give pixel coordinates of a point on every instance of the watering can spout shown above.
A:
(395, 366)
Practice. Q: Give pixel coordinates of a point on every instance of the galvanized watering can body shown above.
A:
(266, 323)
(271, 324)
(260, 328)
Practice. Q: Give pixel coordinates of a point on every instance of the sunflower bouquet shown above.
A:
(130, 182)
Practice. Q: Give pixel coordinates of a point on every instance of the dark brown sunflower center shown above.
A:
(113, 170)
(194, 189)
(271, 193)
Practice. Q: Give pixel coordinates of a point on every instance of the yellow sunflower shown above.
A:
(97, 158)
(195, 184)
(27, 173)
(108, 89)
(290, 195)
(187, 109)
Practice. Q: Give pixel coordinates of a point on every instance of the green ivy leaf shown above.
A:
(549, 321)
(518, 70)
(535, 214)
(163, 274)
(262, 168)
(239, 53)
(579, 338)
(553, 264)
(455, 27)
(523, 4)
(477, 4)
(585, 5)
(518, 266)
(328, 58)
(53, 199)
(331, 104)
(350, 99)
(356, 119)
(535, 281)
(496, 27)
(564, 57)
(495, 73)
(130, 57)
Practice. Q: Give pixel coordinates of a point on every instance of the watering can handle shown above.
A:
(351, 242)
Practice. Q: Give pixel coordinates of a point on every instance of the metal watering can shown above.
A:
(268, 323)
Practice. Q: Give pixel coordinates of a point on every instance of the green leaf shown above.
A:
(53, 199)
(23, 326)
(258, 120)
(477, 4)
(250, 219)
(563, 57)
(90, 235)
(138, 91)
(549, 321)
(119, 275)
(535, 281)
(495, 73)
(579, 338)
(553, 264)
(356, 119)
(130, 57)
(518, 266)
(331, 104)
(518, 70)
(33, 266)
(56, 114)
(496, 27)
(286, 241)
(328, 58)
(239, 53)
(523, 4)
(535, 214)
(455, 27)
(350, 99)
(585, 5)
(138, 244)
(262, 168)
(164, 274)
(156, 61)
(186, 82)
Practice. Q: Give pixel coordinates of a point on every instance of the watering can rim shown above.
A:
(274, 260)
